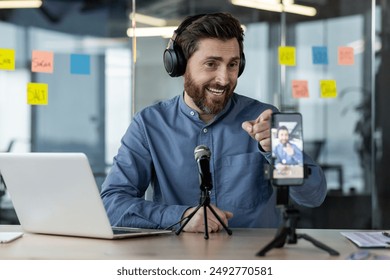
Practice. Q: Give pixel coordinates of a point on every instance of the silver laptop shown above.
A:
(56, 193)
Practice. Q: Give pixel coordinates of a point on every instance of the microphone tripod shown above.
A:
(287, 232)
(205, 203)
(202, 156)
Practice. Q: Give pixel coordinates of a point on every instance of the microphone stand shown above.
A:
(287, 231)
(205, 203)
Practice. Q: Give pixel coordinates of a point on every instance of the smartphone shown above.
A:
(6, 237)
(287, 149)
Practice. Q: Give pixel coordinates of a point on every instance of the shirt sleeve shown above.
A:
(267, 155)
(313, 192)
(124, 187)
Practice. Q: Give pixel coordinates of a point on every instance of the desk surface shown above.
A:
(243, 244)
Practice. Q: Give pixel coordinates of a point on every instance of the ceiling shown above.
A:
(110, 17)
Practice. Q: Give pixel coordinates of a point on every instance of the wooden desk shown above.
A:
(242, 245)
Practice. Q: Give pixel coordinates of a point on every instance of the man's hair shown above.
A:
(221, 26)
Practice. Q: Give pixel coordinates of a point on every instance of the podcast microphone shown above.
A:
(202, 156)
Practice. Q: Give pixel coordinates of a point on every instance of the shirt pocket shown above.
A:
(241, 182)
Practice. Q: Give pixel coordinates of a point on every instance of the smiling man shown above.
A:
(158, 147)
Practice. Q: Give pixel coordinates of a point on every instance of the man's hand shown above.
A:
(260, 129)
(289, 150)
(196, 223)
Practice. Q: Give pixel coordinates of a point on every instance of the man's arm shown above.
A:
(313, 192)
(124, 188)
(297, 155)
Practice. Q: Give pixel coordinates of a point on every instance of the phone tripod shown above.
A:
(287, 232)
(205, 203)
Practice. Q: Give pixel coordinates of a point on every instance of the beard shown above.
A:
(203, 99)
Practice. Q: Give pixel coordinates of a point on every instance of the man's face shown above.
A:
(211, 75)
(283, 136)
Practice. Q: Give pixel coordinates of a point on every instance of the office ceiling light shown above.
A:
(19, 4)
(287, 6)
(166, 31)
(148, 20)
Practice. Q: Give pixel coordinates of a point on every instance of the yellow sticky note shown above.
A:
(345, 56)
(37, 94)
(7, 59)
(300, 88)
(42, 61)
(287, 56)
(328, 88)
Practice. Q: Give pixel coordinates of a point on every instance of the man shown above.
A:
(158, 147)
(286, 153)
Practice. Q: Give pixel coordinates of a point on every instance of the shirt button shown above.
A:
(204, 130)
(192, 113)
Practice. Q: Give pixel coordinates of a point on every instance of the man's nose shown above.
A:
(222, 76)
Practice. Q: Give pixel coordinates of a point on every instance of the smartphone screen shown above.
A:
(287, 149)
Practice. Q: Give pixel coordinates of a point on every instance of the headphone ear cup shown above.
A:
(242, 65)
(174, 61)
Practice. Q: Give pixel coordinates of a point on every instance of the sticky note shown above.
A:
(287, 56)
(345, 56)
(42, 61)
(80, 64)
(299, 88)
(37, 94)
(7, 59)
(328, 88)
(320, 55)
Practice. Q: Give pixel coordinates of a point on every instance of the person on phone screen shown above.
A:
(286, 153)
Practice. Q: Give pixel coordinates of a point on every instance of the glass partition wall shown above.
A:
(334, 58)
(337, 98)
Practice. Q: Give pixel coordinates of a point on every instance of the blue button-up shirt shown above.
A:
(284, 158)
(158, 150)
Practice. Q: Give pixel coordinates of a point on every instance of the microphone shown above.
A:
(202, 156)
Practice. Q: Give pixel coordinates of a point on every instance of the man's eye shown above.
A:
(210, 64)
(234, 64)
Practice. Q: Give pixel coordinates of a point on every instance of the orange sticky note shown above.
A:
(7, 59)
(287, 56)
(345, 56)
(42, 61)
(299, 88)
(37, 94)
(328, 88)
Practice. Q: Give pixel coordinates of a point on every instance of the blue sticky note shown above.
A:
(80, 64)
(320, 55)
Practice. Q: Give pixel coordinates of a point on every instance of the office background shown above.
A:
(347, 134)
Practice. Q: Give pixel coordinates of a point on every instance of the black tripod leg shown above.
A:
(188, 219)
(206, 225)
(277, 242)
(319, 244)
(228, 230)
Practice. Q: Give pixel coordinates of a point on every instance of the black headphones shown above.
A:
(174, 60)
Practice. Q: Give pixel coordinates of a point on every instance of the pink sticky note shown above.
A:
(42, 61)
(299, 88)
(345, 56)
